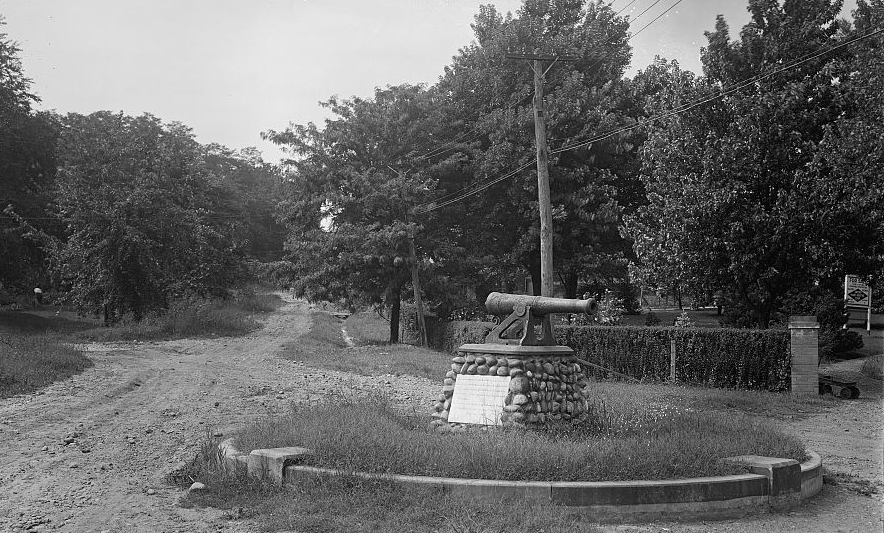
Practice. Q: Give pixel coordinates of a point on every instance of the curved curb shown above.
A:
(784, 485)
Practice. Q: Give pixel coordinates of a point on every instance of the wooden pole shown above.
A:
(546, 235)
(543, 199)
(415, 282)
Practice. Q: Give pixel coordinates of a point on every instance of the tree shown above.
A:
(590, 186)
(27, 166)
(248, 190)
(764, 210)
(134, 196)
(352, 187)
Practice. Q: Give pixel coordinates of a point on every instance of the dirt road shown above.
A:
(90, 453)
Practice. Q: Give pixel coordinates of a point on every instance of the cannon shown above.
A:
(528, 323)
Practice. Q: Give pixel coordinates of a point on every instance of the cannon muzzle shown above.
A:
(499, 303)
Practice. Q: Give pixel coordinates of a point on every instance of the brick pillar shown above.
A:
(804, 344)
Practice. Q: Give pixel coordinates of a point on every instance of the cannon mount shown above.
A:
(529, 321)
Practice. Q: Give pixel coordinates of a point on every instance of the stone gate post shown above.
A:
(804, 346)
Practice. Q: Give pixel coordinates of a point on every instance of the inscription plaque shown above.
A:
(478, 399)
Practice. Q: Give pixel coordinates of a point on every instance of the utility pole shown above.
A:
(546, 233)
(416, 283)
(415, 279)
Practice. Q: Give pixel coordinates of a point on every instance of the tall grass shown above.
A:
(633, 440)
(354, 504)
(873, 367)
(28, 362)
(193, 318)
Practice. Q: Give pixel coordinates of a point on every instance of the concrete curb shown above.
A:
(775, 484)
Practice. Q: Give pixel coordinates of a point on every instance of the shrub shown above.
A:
(717, 357)
(684, 321)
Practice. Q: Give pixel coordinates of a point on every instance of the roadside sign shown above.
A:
(858, 295)
(857, 291)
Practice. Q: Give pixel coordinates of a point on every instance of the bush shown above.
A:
(194, 317)
(716, 357)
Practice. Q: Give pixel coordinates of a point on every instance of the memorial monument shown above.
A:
(519, 376)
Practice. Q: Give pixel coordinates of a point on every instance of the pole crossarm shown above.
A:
(540, 57)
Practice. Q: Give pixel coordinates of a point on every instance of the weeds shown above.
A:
(873, 367)
(28, 362)
(193, 318)
(623, 442)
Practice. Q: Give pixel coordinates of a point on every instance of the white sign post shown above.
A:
(858, 295)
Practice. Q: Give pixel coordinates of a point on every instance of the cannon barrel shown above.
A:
(499, 303)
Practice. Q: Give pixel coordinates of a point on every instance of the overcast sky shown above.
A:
(230, 69)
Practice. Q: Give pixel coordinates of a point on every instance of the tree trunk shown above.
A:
(570, 283)
(762, 317)
(534, 269)
(395, 307)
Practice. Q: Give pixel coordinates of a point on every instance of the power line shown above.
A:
(730, 90)
(655, 19)
(471, 190)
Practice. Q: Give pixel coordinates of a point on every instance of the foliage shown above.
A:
(683, 321)
(590, 186)
(717, 357)
(760, 192)
(351, 191)
(142, 216)
(192, 317)
(27, 167)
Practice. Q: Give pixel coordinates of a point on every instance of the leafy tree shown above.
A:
(352, 187)
(590, 186)
(762, 177)
(139, 208)
(248, 190)
(27, 165)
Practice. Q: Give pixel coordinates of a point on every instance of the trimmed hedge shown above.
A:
(715, 357)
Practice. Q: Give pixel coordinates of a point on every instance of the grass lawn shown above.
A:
(367, 327)
(323, 346)
(34, 353)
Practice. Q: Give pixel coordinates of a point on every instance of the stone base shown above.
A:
(546, 385)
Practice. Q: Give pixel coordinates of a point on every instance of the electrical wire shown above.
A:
(471, 190)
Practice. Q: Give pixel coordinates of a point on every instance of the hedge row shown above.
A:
(716, 357)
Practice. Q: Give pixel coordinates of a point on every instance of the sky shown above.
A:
(231, 69)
